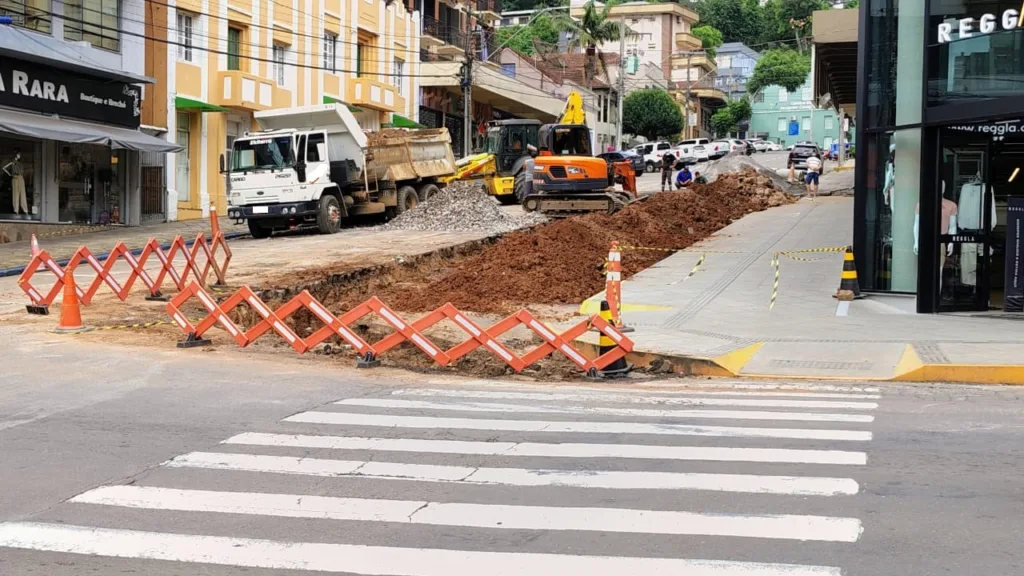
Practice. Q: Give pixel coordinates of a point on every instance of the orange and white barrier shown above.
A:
(405, 330)
(613, 283)
(199, 261)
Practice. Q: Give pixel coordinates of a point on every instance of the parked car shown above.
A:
(720, 148)
(772, 147)
(634, 159)
(758, 144)
(698, 152)
(652, 153)
(801, 152)
(695, 142)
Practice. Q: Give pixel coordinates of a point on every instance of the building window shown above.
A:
(509, 70)
(759, 97)
(805, 123)
(31, 14)
(234, 49)
(783, 94)
(783, 125)
(398, 74)
(506, 21)
(829, 123)
(360, 53)
(181, 158)
(94, 21)
(806, 94)
(278, 67)
(185, 36)
(330, 51)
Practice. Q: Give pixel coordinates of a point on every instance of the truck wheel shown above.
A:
(519, 187)
(258, 231)
(428, 191)
(650, 167)
(328, 215)
(407, 199)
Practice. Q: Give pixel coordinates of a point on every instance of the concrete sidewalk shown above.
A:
(718, 322)
(14, 256)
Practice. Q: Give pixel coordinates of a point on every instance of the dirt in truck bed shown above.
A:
(557, 263)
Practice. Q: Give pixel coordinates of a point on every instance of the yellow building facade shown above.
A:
(217, 62)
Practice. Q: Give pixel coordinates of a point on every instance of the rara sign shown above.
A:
(987, 24)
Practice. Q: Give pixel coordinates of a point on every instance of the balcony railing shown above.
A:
(444, 32)
(493, 6)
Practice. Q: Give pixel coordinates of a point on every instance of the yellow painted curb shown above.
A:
(594, 306)
(909, 363)
(735, 361)
(966, 373)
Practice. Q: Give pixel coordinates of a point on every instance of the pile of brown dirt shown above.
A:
(560, 263)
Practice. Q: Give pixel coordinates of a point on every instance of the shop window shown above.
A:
(185, 22)
(90, 184)
(330, 51)
(94, 21)
(31, 14)
(18, 194)
(182, 178)
(234, 48)
(280, 54)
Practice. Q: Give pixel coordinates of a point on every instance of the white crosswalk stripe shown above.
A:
(565, 464)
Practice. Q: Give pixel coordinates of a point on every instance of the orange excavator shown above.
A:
(567, 178)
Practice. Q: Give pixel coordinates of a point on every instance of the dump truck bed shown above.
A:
(399, 155)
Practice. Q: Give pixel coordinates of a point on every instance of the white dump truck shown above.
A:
(313, 167)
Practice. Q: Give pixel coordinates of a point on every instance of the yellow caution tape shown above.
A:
(687, 249)
(775, 285)
(130, 326)
(692, 272)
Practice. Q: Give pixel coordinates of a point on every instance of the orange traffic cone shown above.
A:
(35, 246)
(70, 310)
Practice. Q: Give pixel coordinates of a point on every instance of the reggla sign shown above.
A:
(987, 24)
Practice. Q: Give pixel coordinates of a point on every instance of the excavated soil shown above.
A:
(557, 263)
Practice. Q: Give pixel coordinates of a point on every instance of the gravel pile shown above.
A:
(464, 206)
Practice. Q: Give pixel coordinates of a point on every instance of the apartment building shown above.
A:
(662, 37)
(736, 63)
(216, 62)
(72, 79)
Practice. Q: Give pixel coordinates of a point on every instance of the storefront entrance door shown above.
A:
(967, 220)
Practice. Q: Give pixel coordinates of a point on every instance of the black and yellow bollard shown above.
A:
(619, 368)
(848, 281)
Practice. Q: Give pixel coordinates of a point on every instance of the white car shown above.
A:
(759, 145)
(720, 148)
(652, 153)
(772, 147)
(698, 152)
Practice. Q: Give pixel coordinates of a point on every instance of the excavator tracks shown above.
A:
(562, 205)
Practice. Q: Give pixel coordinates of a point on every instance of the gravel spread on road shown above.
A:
(464, 206)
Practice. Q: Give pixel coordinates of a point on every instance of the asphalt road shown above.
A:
(121, 461)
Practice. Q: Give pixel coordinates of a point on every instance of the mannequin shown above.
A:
(16, 172)
(890, 177)
(972, 209)
(947, 225)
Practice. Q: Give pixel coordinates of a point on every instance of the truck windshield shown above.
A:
(262, 153)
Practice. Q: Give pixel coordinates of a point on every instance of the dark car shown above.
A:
(635, 159)
(801, 152)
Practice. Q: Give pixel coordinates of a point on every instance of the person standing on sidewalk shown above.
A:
(668, 162)
(813, 169)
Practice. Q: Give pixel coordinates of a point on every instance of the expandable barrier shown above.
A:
(198, 269)
(404, 330)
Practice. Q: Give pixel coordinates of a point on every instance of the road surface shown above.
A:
(125, 461)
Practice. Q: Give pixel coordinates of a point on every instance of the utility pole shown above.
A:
(467, 87)
(622, 79)
(689, 129)
(842, 137)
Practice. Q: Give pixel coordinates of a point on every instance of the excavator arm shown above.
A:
(573, 112)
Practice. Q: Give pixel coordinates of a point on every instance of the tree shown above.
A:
(780, 67)
(541, 28)
(710, 38)
(729, 117)
(651, 113)
(737, 20)
(594, 28)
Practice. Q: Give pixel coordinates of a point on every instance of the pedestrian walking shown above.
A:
(668, 161)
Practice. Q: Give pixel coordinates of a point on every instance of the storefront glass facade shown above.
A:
(940, 104)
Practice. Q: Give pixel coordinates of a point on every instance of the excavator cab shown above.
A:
(508, 140)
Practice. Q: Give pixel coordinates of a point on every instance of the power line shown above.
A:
(239, 56)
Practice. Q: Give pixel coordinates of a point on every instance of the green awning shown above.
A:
(399, 121)
(333, 100)
(182, 103)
